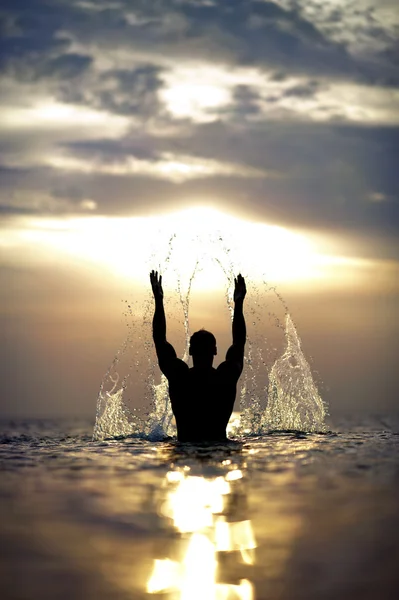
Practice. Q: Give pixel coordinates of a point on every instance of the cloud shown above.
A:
(297, 37)
(377, 197)
(131, 92)
(175, 168)
(283, 112)
(319, 175)
(288, 109)
(133, 59)
(58, 117)
(41, 202)
(304, 90)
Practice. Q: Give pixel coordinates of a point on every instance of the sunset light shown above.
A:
(192, 98)
(195, 506)
(202, 239)
(199, 292)
(50, 115)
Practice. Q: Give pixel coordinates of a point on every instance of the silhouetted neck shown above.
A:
(203, 362)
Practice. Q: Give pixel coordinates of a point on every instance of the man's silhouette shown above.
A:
(202, 397)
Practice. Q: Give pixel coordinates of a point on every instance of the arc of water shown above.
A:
(294, 402)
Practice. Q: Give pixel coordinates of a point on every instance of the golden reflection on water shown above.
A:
(202, 510)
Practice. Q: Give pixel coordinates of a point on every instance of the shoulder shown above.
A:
(178, 363)
(175, 368)
(230, 369)
(168, 361)
(235, 354)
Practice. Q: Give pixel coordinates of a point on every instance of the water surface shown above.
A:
(280, 516)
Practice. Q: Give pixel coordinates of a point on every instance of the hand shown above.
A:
(156, 284)
(239, 288)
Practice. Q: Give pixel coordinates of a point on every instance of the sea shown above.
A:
(297, 505)
(281, 515)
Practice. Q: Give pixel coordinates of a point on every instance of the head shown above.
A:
(203, 346)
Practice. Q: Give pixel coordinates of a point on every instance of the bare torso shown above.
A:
(202, 399)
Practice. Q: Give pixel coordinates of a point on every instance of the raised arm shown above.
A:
(159, 320)
(165, 352)
(239, 328)
(236, 351)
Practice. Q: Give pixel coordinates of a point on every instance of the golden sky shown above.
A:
(259, 137)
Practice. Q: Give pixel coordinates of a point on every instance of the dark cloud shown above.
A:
(141, 146)
(13, 210)
(240, 32)
(246, 101)
(66, 66)
(265, 33)
(39, 191)
(122, 91)
(333, 195)
(319, 174)
(315, 174)
(29, 33)
(304, 90)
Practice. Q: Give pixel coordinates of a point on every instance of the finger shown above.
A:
(160, 280)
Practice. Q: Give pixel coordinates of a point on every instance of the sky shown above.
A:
(138, 135)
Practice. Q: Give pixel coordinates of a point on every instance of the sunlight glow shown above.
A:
(199, 566)
(175, 243)
(203, 497)
(50, 114)
(165, 576)
(174, 167)
(195, 100)
(195, 505)
(235, 536)
(202, 91)
(234, 475)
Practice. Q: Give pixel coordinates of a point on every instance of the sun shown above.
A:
(185, 99)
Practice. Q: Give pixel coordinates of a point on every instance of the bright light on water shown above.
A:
(194, 502)
(195, 506)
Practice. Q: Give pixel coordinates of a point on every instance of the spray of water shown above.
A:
(290, 400)
(293, 399)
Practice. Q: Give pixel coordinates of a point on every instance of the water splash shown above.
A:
(290, 399)
(113, 420)
(113, 417)
(293, 399)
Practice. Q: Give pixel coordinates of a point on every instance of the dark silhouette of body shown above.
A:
(202, 397)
